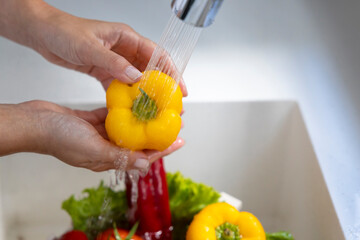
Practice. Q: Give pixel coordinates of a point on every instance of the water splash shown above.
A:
(171, 55)
(121, 164)
(133, 176)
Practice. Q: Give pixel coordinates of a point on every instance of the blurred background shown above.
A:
(258, 50)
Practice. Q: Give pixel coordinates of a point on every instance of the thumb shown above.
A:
(116, 65)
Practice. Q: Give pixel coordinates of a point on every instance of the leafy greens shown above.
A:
(97, 210)
(102, 206)
(186, 197)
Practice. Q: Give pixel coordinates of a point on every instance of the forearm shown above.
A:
(23, 20)
(18, 131)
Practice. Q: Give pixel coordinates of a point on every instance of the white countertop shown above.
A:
(257, 50)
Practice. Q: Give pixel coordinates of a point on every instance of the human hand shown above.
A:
(104, 50)
(76, 137)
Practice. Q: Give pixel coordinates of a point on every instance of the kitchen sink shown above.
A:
(259, 152)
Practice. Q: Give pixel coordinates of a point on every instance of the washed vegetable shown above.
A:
(279, 236)
(187, 197)
(152, 209)
(97, 210)
(74, 235)
(146, 115)
(221, 221)
(119, 234)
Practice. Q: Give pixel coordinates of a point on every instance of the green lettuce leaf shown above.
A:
(186, 197)
(97, 210)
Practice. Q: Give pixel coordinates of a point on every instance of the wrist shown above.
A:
(20, 130)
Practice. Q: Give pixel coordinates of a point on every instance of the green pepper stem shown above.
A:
(144, 93)
(227, 231)
(144, 108)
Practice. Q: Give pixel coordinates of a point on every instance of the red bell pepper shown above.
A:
(152, 209)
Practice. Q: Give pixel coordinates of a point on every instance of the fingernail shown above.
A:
(141, 163)
(180, 141)
(133, 73)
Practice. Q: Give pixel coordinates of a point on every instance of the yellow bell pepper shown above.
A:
(144, 115)
(221, 221)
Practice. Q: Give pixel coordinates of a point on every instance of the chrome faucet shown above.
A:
(199, 13)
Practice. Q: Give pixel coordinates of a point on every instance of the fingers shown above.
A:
(94, 117)
(116, 65)
(114, 157)
(155, 155)
(144, 52)
(101, 155)
(77, 138)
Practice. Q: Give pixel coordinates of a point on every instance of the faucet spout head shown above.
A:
(199, 13)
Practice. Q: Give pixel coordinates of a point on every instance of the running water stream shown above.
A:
(172, 54)
(170, 57)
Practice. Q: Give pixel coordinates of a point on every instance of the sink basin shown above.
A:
(259, 152)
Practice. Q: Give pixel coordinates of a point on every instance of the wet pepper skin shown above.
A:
(204, 224)
(156, 129)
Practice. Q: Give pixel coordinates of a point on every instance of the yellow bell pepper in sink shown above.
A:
(221, 221)
(144, 115)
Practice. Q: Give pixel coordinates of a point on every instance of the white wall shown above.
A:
(251, 47)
